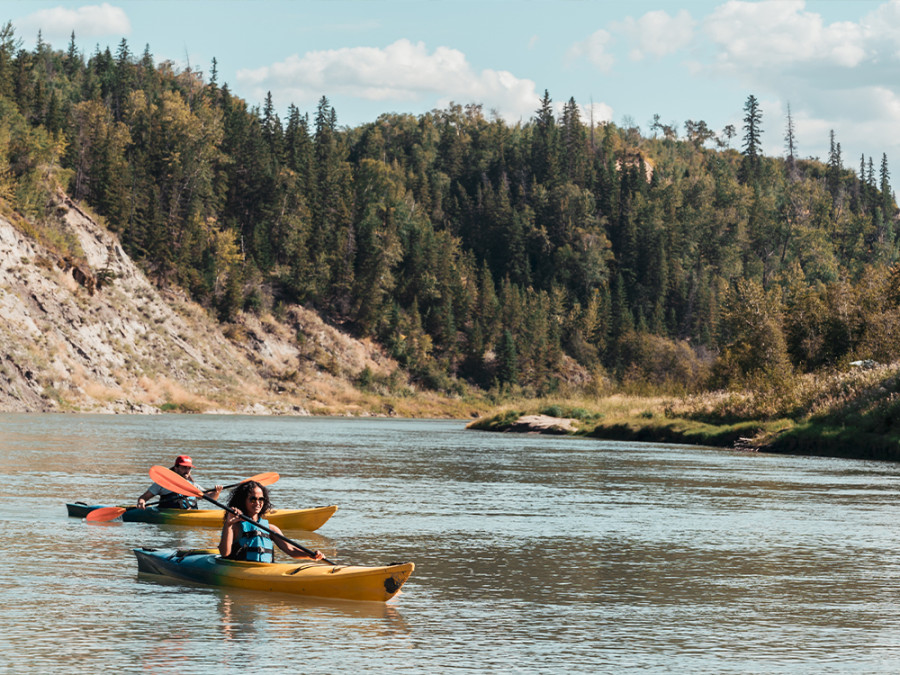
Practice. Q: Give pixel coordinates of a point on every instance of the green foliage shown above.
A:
(751, 334)
(662, 364)
(470, 248)
(507, 360)
(564, 412)
(499, 422)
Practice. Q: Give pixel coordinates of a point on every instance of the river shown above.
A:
(533, 554)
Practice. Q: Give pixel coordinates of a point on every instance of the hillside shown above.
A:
(474, 259)
(92, 334)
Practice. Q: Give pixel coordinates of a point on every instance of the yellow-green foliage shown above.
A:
(817, 413)
(30, 178)
(660, 364)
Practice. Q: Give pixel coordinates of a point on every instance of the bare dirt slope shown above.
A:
(95, 335)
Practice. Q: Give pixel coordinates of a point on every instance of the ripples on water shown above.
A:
(533, 554)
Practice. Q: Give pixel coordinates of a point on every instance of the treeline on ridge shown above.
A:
(526, 256)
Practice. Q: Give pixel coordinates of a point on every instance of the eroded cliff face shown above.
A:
(95, 335)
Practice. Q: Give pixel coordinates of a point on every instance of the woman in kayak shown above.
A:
(173, 500)
(241, 540)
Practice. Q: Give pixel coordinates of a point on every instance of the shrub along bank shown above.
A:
(843, 413)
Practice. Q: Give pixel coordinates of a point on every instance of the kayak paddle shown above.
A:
(112, 512)
(172, 481)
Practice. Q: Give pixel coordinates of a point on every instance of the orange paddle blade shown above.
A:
(167, 478)
(105, 513)
(264, 478)
(173, 482)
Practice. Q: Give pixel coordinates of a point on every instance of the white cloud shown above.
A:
(86, 21)
(601, 113)
(402, 71)
(780, 33)
(839, 76)
(595, 49)
(656, 33)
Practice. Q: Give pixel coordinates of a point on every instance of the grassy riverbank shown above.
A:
(851, 413)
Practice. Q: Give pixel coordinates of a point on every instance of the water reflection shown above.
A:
(240, 608)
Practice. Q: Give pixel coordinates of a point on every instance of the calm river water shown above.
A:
(533, 554)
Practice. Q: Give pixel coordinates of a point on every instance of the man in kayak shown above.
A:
(173, 500)
(242, 540)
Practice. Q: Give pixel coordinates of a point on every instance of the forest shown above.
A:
(543, 256)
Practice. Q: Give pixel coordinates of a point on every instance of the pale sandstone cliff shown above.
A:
(95, 335)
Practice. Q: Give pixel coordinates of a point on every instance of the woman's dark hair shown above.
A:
(238, 498)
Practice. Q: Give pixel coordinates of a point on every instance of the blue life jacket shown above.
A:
(255, 544)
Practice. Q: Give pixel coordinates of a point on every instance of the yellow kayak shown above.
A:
(293, 519)
(314, 579)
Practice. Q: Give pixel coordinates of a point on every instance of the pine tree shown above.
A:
(73, 61)
(545, 163)
(573, 143)
(9, 46)
(123, 77)
(861, 192)
(272, 133)
(887, 199)
(298, 146)
(752, 127)
(871, 186)
(790, 143)
(507, 360)
(752, 139)
(835, 169)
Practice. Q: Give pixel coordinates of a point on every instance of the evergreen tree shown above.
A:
(574, 144)
(790, 143)
(835, 169)
(9, 47)
(507, 360)
(752, 139)
(861, 192)
(272, 133)
(74, 62)
(545, 163)
(887, 200)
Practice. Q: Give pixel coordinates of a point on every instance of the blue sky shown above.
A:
(836, 62)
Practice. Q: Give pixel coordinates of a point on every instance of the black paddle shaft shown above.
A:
(240, 515)
(224, 487)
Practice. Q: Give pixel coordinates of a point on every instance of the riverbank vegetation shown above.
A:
(853, 413)
(557, 256)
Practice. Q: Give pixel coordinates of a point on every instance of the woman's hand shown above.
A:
(232, 518)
